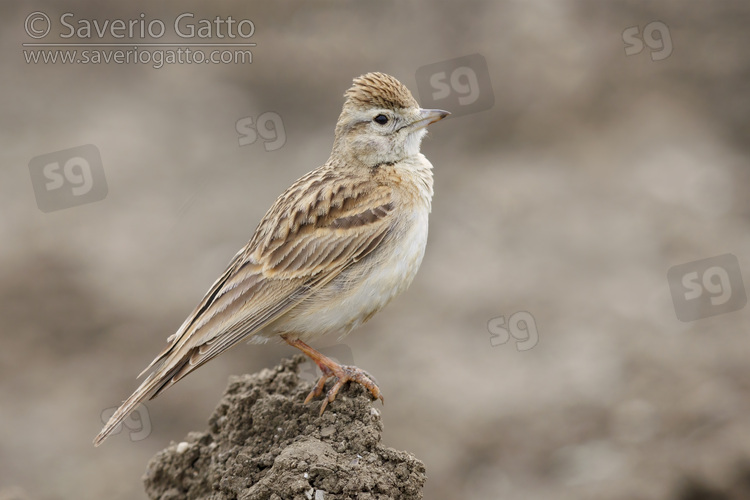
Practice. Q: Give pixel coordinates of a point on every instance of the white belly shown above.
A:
(363, 289)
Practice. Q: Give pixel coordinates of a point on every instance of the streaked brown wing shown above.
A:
(312, 232)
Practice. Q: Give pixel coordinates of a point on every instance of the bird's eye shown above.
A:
(380, 119)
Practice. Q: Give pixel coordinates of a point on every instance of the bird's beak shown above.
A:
(427, 117)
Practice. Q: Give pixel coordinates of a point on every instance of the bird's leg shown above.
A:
(329, 368)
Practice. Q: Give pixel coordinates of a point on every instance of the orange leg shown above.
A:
(330, 368)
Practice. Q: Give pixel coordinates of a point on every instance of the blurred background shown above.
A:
(543, 350)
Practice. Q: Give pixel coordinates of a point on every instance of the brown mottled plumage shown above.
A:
(334, 248)
(378, 90)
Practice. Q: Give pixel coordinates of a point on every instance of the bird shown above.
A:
(337, 246)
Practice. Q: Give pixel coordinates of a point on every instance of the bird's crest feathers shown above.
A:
(380, 91)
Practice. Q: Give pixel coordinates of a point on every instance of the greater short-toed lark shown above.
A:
(332, 251)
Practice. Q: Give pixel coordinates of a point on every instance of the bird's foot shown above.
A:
(331, 369)
(343, 374)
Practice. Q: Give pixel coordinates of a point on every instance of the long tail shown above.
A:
(150, 387)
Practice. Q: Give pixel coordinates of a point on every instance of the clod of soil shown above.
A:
(262, 442)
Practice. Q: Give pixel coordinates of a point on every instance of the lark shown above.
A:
(333, 250)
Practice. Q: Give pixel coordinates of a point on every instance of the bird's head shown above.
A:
(381, 121)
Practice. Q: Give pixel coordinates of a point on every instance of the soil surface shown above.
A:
(263, 442)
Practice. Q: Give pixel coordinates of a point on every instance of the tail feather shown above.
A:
(154, 381)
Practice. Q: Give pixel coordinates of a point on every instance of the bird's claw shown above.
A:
(343, 374)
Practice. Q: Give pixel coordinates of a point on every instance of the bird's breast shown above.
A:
(365, 287)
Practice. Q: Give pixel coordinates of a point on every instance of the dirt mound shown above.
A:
(262, 442)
